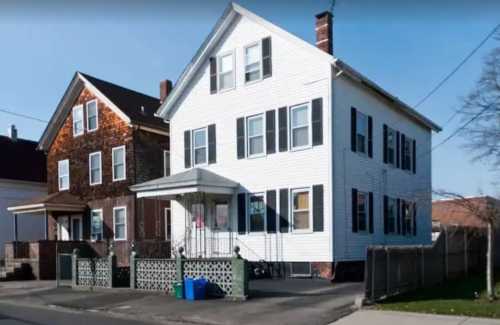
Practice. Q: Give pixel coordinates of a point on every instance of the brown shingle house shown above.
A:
(102, 139)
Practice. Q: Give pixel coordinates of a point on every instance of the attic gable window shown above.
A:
(92, 118)
(226, 71)
(253, 63)
(77, 120)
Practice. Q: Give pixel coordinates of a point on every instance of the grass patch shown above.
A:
(452, 298)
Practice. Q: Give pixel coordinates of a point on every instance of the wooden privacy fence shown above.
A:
(390, 270)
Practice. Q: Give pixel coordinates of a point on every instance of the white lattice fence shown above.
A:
(216, 271)
(155, 274)
(93, 272)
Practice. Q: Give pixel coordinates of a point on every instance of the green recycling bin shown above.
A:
(179, 290)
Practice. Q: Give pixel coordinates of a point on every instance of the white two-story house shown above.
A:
(282, 149)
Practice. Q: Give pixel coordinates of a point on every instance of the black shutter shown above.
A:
(398, 145)
(213, 75)
(353, 129)
(282, 129)
(318, 208)
(242, 213)
(370, 211)
(284, 210)
(354, 210)
(403, 162)
(414, 219)
(414, 157)
(270, 131)
(386, 214)
(271, 211)
(267, 64)
(212, 145)
(240, 137)
(187, 149)
(403, 216)
(317, 121)
(398, 221)
(385, 144)
(370, 137)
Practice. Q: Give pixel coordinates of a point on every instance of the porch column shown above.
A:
(15, 227)
(46, 225)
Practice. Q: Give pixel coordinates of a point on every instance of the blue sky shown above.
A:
(405, 46)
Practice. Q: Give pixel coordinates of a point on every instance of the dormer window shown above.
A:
(92, 118)
(77, 120)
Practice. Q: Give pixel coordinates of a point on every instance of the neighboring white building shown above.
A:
(22, 177)
(284, 150)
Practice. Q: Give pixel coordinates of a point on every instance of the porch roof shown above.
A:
(60, 201)
(190, 181)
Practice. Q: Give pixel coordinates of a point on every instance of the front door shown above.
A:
(63, 228)
(76, 228)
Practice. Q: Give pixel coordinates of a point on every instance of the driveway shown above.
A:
(291, 301)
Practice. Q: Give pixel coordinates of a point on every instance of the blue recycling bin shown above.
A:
(195, 289)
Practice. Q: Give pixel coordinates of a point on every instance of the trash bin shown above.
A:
(179, 290)
(195, 288)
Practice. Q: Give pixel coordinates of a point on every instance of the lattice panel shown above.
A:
(155, 274)
(93, 272)
(218, 272)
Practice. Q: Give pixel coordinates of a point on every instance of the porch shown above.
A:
(206, 200)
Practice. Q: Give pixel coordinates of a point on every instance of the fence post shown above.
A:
(74, 268)
(111, 266)
(179, 264)
(133, 256)
(239, 276)
(373, 274)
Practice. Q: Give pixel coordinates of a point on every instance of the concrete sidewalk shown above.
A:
(377, 317)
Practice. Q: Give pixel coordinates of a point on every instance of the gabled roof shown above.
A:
(224, 22)
(21, 161)
(133, 107)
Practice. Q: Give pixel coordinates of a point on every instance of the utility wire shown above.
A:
(442, 82)
(23, 116)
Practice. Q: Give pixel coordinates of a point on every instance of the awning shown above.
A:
(60, 201)
(196, 180)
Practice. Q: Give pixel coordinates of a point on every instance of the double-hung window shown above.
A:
(118, 157)
(96, 224)
(300, 125)
(256, 212)
(408, 215)
(255, 135)
(253, 63)
(95, 168)
(78, 120)
(200, 144)
(362, 203)
(361, 132)
(63, 174)
(92, 118)
(301, 212)
(392, 211)
(120, 223)
(221, 221)
(391, 146)
(407, 153)
(226, 71)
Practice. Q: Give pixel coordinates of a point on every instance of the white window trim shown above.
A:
(367, 211)
(219, 65)
(165, 154)
(263, 194)
(114, 223)
(73, 120)
(193, 148)
(247, 137)
(102, 224)
(366, 134)
(298, 190)
(124, 163)
(100, 168)
(259, 44)
(59, 175)
(96, 115)
(309, 110)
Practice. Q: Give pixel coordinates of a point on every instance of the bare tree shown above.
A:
(480, 110)
(488, 212)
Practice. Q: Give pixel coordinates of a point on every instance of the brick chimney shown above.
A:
(324, 31)
(12, 132)
(165, 88)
